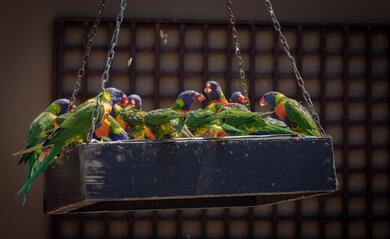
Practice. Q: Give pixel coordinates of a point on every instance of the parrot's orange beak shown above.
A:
(242, 99)
(207, 89)
(262, 102)
(200, 98)
(132, 103)
(124, 101)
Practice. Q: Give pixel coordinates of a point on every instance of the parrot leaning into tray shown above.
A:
(132, 117)
(291, 112)
(204, 123)
(73, 129)
(217, 99)
(169, 122)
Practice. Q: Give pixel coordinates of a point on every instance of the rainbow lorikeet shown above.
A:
(38, 131)
(252, 123)
(74, 129)
(291, 112)
(204, 123)
(169, 122)
(239, 98)
(217, 99)
(132, 117)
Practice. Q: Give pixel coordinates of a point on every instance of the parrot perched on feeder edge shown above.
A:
(38, 132)
(132, 117)
(238, 97)
(291, 112)
(74, 129)
(169, 122)
(217, 100)
(203, 122)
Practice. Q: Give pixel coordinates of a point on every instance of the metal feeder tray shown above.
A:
(189, 173)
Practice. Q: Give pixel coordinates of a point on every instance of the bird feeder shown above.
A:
(190, 173)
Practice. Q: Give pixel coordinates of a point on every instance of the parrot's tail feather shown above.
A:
(29, 150)
(22, 193)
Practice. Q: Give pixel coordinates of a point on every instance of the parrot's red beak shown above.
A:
(124, 101)
(262, 102)
(242, 99)
(200, 98)
(132, 103)
(207, 89)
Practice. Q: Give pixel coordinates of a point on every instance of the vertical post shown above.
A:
(181, 58)
(298, 95)
(229, 65)
(345, 143)
(133, 66)
(323, 53)
(205, 56)
(130, 225)
(252, 67)
(84, 81)
(226, 223)
(179, 224)
(203, 223)
(156, 80)
(368, 126)
(58, 56)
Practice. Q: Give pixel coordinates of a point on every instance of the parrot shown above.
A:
(217, 99)
(73, 129)
(252, 123)
(238, 97)
(38, 131)
(291, 112)
(132, 117)
(169, 122)
(204, 123)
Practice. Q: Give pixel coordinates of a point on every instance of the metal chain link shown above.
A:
(237, 48)
(90, 42)
(292, 61)
(106, 73)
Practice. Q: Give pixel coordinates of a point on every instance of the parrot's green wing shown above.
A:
(133, 116)
(200, 117)
(76, 126)
(162, 116)
(235, 106)
(38, 132)
(298, 115)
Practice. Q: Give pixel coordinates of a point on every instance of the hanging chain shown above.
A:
(237, 51)
(106, 73)
(291, 59)
(81, 71)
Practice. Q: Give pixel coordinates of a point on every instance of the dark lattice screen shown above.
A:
(346, 68)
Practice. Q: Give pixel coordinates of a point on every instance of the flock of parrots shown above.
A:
(121, 117)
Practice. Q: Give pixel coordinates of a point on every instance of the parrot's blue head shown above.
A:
(59, 106)
(213, 91)
(238, 97)
(135, 101)
(117, 97)
(271, 98)
(186, 98)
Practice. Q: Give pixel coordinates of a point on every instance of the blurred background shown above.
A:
(342, 48)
